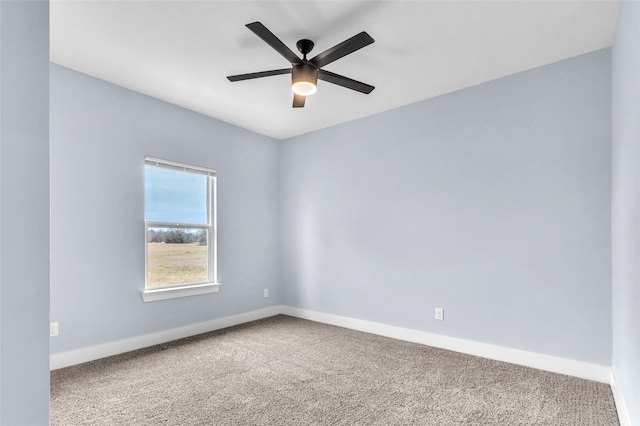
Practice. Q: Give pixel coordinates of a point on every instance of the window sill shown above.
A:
(152, 295)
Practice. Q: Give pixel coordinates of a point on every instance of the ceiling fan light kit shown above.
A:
(306, 72)
(304, 79)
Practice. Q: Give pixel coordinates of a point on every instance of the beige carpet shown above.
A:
(288, 371)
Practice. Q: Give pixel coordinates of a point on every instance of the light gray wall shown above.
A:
(24, 213)
(100, 134)
(626, 206)
(492, 202)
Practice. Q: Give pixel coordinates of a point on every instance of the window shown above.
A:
(180, 203)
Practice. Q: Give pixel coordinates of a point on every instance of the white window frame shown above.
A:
(151, 294)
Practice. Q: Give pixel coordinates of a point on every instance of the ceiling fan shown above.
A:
(306, 72)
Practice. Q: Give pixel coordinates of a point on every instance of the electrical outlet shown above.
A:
(53, 329)
(266, 292)
(440, 314)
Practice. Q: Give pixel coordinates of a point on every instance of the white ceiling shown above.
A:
(181, 51)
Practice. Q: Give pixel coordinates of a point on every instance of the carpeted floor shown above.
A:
(288, 371)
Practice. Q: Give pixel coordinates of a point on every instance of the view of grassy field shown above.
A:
(175, 264)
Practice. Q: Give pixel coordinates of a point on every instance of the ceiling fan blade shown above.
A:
(345, 81)
(298, 100)
(356, 42)
(249, 76)
(273, 41)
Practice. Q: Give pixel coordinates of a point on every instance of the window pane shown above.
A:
(176, 256)
(176, 197)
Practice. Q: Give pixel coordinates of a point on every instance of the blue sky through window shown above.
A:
(174, 196)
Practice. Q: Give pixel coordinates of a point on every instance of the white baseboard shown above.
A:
(78, 356)
(584, 370)
(621, 407)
